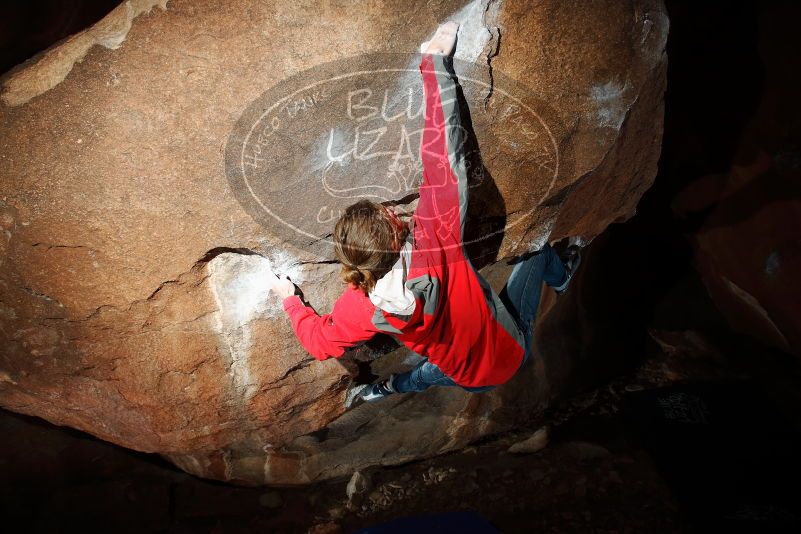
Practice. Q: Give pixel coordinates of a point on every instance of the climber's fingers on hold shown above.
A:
(283, 286)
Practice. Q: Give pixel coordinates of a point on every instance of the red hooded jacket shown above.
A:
(457, 321)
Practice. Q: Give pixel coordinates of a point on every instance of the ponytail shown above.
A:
(362, 280)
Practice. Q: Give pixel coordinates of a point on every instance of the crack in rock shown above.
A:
(493, 46)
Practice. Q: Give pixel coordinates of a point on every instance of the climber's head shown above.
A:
(367, 238)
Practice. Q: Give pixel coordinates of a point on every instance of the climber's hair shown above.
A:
(366, 244)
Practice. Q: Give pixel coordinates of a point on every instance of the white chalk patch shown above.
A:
(611, 106)
(242, 289)
(473, 35)
(283, 264)
(337, 149)
(577, 240)
(543, 233)
(471, 39)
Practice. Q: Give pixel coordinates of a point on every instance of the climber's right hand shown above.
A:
(283, 287)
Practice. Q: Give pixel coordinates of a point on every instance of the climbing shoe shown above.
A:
(571, 257)
(369, 392)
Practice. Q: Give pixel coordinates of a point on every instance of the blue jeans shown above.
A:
(521, 298)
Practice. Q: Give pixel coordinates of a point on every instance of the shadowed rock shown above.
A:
(132, 303)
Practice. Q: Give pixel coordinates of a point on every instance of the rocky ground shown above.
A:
(595, 474)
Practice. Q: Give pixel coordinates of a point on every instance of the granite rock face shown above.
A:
(134, 274)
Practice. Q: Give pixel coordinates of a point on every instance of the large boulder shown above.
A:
(137, 250)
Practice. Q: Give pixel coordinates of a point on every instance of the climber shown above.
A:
(415, 282)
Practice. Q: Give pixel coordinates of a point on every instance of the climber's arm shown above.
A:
(443, 192)
(331, 334)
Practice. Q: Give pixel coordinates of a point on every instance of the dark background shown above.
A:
(644, 279)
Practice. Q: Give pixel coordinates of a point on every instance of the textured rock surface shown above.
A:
(131, 304)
